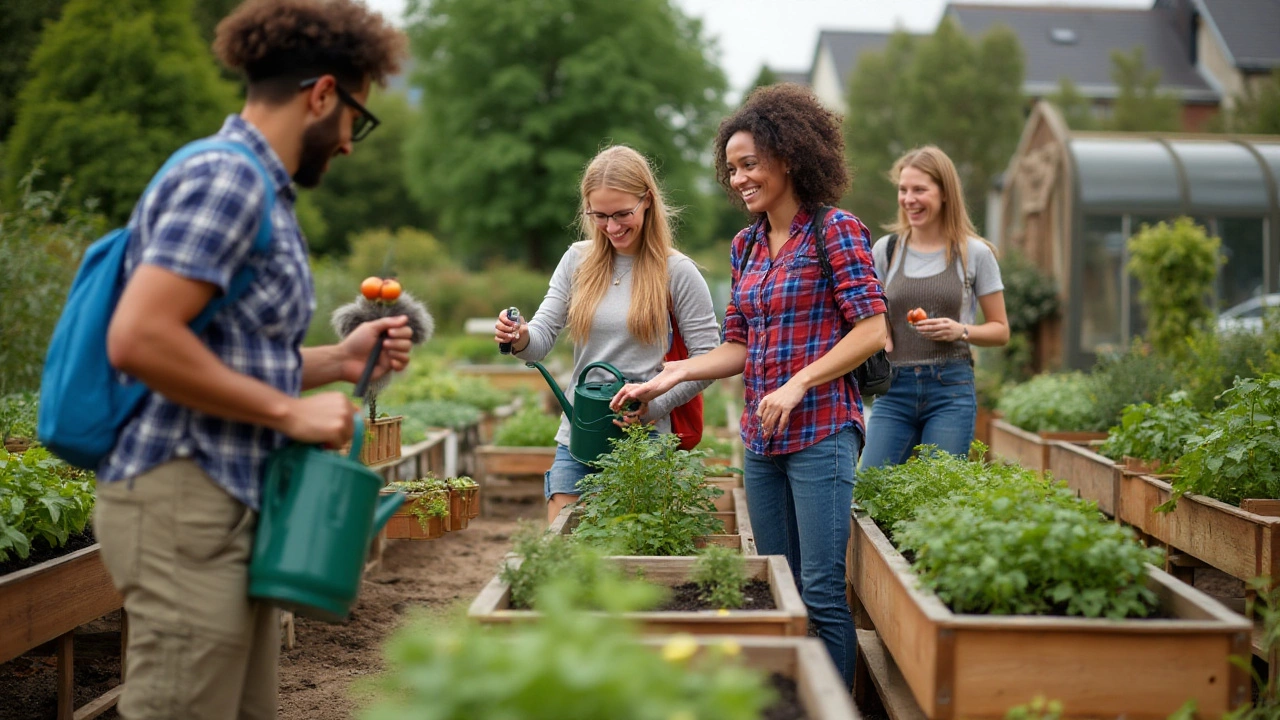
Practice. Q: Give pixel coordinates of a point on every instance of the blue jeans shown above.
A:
(564, 474)
(799, 505)
(925, 405)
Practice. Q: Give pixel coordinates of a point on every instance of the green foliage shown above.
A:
(544, 559)
(518, 97)
(1030, 297)
(1212, 361)
(423, 414)
(18, 415)
(42, 499)
(1236, 454)
(1038, 709)
(894, 101)
(1136, 375)
(569, 664)
(1267, 704)
(368, 189)
(1154, 433)
(716, 400)
(1176, 266)
(1140, 105)
(891, 495)
(649, 497)
(1257, 111)
(41, 241)
(721, 574)
(20, 25)
(427, 378)
(527, 427)
(426, 497)
(715, 447)
(114, 89)
(1057, 402)
(1076, 109)
(1028, 548)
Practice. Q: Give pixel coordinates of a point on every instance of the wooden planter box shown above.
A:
(381, 441)
(48, 600)
(512, 473)
(736, 538)
(1092, 476)
(1030, 450)
(404, 526)
(1240, 543)
(461, 505)
(789, 619)
(978, 666)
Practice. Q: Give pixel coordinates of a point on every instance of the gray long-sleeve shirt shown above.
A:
(610, 339)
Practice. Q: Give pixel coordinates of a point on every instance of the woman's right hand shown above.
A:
(509, 331)
(646, 391)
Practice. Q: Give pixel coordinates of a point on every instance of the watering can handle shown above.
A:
(357, 437)
(582, 378)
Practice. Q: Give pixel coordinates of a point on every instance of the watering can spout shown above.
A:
(387, 506)
(564, 402)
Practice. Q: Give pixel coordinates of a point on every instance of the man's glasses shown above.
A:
(365, 121)
(622, 217)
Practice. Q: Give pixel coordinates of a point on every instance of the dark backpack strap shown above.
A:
(820, 241)
(893, 245)
(750, 245)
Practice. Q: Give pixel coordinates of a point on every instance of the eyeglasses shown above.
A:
(365, 121)
(622, 217)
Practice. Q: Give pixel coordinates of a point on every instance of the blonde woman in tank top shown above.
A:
(939, 265)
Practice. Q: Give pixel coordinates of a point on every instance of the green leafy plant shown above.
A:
(1175, 266)
(461, 482)
(1236, 454)
(649, 496)
(528, 427)
(1053, 402)
(893, 494)
(18, 415)
(721, 574)
(1134, 376)
(428, 498)
(1212, 361)
(1154, 432)
(545, 558)
(715, 447)
(42, 499)
(1031, 297)
(568, 664)
(1038, 709)
(423, 414)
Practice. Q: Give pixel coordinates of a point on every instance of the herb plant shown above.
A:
(1055, 402)
(422, 414)
(547, 558)
(18, 415)
(649, 496)
(1154, 433)
(528, 427)
(427, 498)
(721, 574)
(42, 499)
(715, 447)
(1236, 455)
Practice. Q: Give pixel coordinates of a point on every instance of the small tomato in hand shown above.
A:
(371, 288)
(390, 289)
(915, 315)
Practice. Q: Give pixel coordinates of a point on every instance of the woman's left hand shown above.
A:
(633, 415)
(940, 329)
(774, 411)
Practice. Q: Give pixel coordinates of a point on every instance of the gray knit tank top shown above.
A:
(940, 296)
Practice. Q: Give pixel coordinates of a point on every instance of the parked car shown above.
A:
(1247, 316)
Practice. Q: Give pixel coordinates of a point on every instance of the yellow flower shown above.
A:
(679, 648)
(723, 612)
(730, 648)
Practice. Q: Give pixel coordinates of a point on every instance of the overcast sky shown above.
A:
(784, 33)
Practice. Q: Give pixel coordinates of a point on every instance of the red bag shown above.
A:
(686, 420)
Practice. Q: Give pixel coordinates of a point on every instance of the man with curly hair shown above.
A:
(178, 495)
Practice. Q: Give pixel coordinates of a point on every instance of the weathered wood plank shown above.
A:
(1092, 476)
(43, 602)
(895, 694)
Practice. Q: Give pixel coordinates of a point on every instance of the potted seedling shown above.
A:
(425, 512)
(381, 298)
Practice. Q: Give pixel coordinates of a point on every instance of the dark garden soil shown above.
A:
(40, 552)
(787, 706)
(688, 596)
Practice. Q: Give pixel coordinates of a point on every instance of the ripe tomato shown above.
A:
(390, 289)
(915, 315)
(371, 288)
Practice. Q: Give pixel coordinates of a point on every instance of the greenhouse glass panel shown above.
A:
(1222, 175)
(1101, 283)
(1126, 173)
(1242, 248)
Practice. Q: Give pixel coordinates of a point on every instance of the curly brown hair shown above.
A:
(276, 44)
(788, 123)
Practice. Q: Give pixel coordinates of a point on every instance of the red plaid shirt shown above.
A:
(789, 315)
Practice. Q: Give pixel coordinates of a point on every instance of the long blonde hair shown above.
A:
(957, 228)
(623, 169)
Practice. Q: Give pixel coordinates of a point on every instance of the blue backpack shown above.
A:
(83, 403)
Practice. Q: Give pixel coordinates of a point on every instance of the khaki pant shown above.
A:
(177, 547)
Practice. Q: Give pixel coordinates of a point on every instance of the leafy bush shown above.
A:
(547, 558)
(18, 415)
(721, 574)
(527, 427)
(1154, 433)
(893, 494)
(1236, 454)
(1212, 362)
(649, 497)
(1030, 297)
(1137, 375)
(427, 378)
(42, 499)
(422, 414)
(569, 664)
(1054, 402)
(1175, 266)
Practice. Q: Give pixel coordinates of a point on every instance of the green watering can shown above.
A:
(320, 511)
(590, 419)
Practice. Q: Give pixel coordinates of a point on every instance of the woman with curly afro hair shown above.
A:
(805, 310)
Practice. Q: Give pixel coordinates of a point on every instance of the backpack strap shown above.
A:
(262, 241)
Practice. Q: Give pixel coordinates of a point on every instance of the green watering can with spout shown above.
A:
(590, 419)
(320, 511)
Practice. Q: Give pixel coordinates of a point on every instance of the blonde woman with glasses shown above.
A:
(615, 291)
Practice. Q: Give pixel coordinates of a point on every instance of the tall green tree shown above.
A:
(115, 88)
(1258, 109)
(1140, 104)
(368, 190)
(1076, 109)
(21, 23)
(518, 97)
(961, 94)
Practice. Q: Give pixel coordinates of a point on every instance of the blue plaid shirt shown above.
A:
(199, 222)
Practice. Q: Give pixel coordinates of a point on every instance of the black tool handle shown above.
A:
(512, 314)
(363, 384)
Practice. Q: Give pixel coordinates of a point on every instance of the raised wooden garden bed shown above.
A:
(739, 537)
(1092, 476)
(1031, 450)
(790, 618)
(979, 666)
(512, 473)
